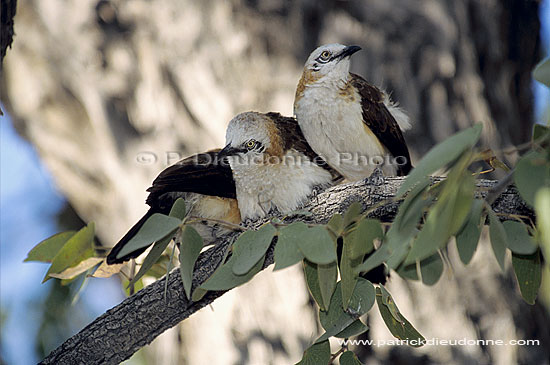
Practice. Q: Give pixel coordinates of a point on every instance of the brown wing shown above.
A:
(203, 173)
(294, 138)
(380, 121)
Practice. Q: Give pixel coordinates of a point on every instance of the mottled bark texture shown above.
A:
(124, 329)
(110, 92)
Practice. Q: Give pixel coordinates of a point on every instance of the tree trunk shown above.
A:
(111, 92)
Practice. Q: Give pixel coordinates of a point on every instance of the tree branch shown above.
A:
(138, 320)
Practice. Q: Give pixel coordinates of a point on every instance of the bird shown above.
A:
(206, 184)
(274, 168)
(266, 167)
(352, 124)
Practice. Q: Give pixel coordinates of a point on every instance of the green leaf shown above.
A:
(312, 281)
(404, 226)
(316, 354)
(441, 155)
(251, 247)
(178, 210)
(528, 271)
(354, 329)
(498, 238)
(357, 243)
(336, 321)
(224, 277)
(541, 73)
(46, 250)
(531, 174)
(318, 246)
(542, 209)
(408, 271)
(431, 269)
(336, 225)
(352, 213)
(445, 218)
(77, 249)
(154, 229)
(381, 255)
(286, 251)
(198, 293)
(468, 238)
(153, 256)
(349, 358)
(327, 280)
(73, 272)
(401, 329)
(361, 239)
(190, 248)
(518, 239)
(387, 300)
(540, 131)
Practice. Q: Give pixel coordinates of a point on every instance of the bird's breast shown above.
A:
(332, 122)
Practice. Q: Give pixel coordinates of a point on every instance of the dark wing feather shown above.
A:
(203, 173)
(380, 121)
(294, 138)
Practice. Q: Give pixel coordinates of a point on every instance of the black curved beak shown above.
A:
(228, 151)
(348, 51)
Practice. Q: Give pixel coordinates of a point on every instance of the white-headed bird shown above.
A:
(353, 125)
(266, 167)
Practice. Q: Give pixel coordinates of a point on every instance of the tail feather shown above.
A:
(112, 259)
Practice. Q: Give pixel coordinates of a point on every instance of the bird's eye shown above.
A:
(250, 144)
(325, 55)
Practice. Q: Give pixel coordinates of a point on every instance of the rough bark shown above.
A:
(124, 329)
(110, 92)
(6, 27)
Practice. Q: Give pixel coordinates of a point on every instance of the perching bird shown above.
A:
(271, 169)
(350, 123)
(205, 182)
(273, 166)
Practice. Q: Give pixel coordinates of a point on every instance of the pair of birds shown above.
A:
(344, 128)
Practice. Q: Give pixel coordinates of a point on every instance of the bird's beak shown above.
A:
(348, 51)
(228, 151)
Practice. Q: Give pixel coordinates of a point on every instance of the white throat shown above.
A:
(284, 186)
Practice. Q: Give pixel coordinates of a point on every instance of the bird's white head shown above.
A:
(250, 137)
(329, 62)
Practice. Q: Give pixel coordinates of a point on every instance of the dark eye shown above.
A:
(325, 55)
(251, 144)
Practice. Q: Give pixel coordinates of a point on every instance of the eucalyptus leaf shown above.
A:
(468, 237)
(316, 354)
(154, 229)
(531, 174)
(401, 329)
(250, 247)
(153, 256)
(312, 281)
(361, 240)
(46, 250)
(336, 225)
(286, 251)
(318, 246)
(75, 250)
(352, 213)
(178, 210)
(349, 358)
(431, 269)
(190, 248)
(518, 239)
(441, 155)
(528, 270)
(542, 209)
(499, 240)
(327, 280)
(224, 277)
